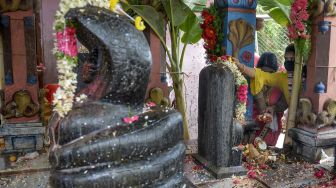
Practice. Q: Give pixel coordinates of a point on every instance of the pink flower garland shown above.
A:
(298, 16)
(66, 41)
(242, 93)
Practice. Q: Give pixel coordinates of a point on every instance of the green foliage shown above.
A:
(191, 29)
(278, 10)
(180, 19)
(153, 18)
(218, 25)
(196, 5)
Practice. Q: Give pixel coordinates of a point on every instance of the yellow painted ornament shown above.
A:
(113, 4)
(139, 24)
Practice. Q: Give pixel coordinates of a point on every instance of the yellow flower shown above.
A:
(113, 4)
(139, 24)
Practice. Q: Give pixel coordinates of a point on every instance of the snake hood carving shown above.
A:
(92, 145)
(123, 55)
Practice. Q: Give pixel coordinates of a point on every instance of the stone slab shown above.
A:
(321, 139)
(22, 137)
(22, 129)
(220, 172)
(309, 145)
(291, 175)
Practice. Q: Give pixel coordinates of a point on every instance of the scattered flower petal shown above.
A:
(130, 120)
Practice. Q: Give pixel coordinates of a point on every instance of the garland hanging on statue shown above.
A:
(65, 49)
(241, 86)
(212, 33)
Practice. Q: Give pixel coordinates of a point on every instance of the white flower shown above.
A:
(81, 98)
(64, 96)
(240, 108)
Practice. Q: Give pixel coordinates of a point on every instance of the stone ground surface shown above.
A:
(35, 173)
(27, 174)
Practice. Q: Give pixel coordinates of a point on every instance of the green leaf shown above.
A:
(153, 18)
(279, 17)
(267, 4)
(191, 29)
(285, 2)
(196, 5)
(278, 9)
(176, 10)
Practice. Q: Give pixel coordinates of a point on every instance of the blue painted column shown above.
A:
(239, 32)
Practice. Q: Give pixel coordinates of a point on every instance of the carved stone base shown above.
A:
(25, 137)
(220, 172)
(309, 145)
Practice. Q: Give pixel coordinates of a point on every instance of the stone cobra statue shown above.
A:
(95, 148)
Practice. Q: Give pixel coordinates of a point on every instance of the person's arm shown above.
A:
(248, 71)
(258, 80)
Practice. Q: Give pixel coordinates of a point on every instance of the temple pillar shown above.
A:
(314, 130)
(21, 129)
(322, 65)
(158, 76)
(239, 31)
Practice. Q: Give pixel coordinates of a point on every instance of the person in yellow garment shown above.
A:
(260, 78)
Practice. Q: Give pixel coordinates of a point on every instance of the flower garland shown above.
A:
(241, 86)
(212, 33)
(299, 17)
(66, 50)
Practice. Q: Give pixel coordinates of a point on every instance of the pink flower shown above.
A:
(242, 89)
(300, 26)
(242, 93)
(292, 33)
(251, 174)
(298, 16)
(66, 41)
(319, 174)
(224, 57)
(150, 104)
(130, 120)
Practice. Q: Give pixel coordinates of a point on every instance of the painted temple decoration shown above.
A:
(21, 128)
(241, 35)
(239, 26)
(19, 61)
(15, 5)
(315, 122)
(21, 106)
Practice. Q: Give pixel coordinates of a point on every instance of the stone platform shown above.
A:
(22, 137)
(308, 143)
(220, 172)
(35, 173)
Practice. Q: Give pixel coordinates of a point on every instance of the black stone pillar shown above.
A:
(218, 133)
